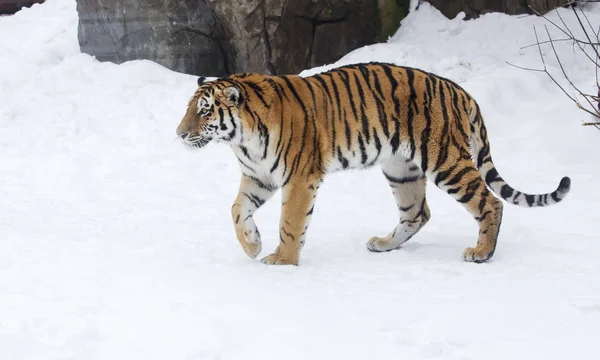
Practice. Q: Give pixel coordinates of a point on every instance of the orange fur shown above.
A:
(289, 132)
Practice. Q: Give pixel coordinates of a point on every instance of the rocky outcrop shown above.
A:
(183, 35)
(217, 37)
(214, 38)
(9, 7)
(474, 8)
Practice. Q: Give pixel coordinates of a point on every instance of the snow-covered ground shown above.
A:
(116, 240)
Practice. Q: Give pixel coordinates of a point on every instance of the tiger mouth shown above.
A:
(199, 142)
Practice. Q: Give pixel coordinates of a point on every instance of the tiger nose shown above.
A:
(182, 135)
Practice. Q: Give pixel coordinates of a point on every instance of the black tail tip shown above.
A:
(565, 184)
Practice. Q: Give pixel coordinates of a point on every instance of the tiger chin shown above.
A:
(289, 132)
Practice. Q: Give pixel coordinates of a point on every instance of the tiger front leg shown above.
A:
(297, 206)
(252, 195)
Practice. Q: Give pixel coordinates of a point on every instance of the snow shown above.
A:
(116, 240)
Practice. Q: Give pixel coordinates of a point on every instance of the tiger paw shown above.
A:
(377, 244)
(276, 259)
(252, 248)
(477, 255)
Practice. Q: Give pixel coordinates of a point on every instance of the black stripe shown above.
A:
(459, 176)
(377, 147)
(266, 143)
(434, 80)
(410, 115)
(540, 200)
(348, 134)
(402, 180)
(492, 176)
(363, 151)
(453, 191)
(345, 79)
(255, 200)
(425, 139)
(286, 234)
(342, 159)
(506, 191)
(245, 153)
(530, 199)
(222, 119)
(327, 105)
(292, 88)
(261, 184)
(365, 120)
(258, 91)
(482, 202)
(515, 200)
(406, 208)
(380, 107)
(287, 150)
(483, 216)
(246, 165)
(443, 175)
(467, 197)
(395, 140)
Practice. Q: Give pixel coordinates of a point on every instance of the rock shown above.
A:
(474, 8)
(179, 34)
(9, 7)
(215, 38)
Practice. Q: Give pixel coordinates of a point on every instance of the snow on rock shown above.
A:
(116, 241)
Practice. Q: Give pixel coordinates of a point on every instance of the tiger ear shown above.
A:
(201, 80)
(234, 95)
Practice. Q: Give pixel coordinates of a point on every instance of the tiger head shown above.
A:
(213, 113)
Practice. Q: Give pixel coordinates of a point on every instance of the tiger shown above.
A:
(289, 132)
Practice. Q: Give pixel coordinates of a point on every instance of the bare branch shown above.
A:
(558, 40)
(573, 36)
(593, 41)
(524, 68)
(585, 31)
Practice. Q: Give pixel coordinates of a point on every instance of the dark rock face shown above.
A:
(179, 34)
(474, 8)
(216, 37)
(219, 37)
(9, 7)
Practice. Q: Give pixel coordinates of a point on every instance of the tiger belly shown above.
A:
(361, 155)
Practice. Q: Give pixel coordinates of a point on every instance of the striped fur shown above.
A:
(289, 132)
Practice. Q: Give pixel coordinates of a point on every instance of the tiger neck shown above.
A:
(252, 147)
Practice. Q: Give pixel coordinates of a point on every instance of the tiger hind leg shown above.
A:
(464, 183)
(408, 185)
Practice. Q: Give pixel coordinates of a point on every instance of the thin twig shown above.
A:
(546, 68)
(585, 31)
(560, 62)
(579, 43)
(597, 35)
(573, 36)
(594, 124)
(557, 40)
(524, 68)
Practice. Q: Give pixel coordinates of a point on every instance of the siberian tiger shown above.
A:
(289, 132)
